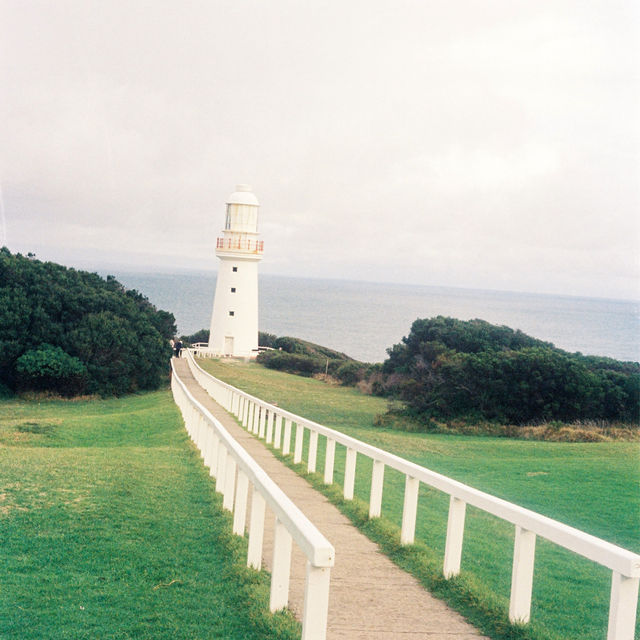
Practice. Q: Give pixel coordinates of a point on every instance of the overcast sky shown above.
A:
(490, 144)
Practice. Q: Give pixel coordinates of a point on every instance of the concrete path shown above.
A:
(370, 597)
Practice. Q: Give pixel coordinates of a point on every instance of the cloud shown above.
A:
(476, 145)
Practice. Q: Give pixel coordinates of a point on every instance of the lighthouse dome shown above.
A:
(243, 195)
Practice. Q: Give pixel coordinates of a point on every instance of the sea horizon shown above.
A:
(364, 318)
(163, 270)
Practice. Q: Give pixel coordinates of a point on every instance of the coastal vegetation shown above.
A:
(72, 332)
(301, 357)
(111, 528)
(591, 486)
(449, 374)
(447, 368)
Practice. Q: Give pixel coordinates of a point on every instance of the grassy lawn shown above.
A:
(591, 486)
(111, 528)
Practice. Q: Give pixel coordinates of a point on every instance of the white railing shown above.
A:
(274, 424)
(236, 472)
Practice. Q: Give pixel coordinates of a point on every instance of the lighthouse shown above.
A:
(234, 321)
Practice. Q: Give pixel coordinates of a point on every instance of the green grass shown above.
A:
(111, 529)
(591, 486)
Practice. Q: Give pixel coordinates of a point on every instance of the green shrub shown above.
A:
(120, 338)
(266, 339)
(289, 345)
(50, 368)
(199, 336)
(448, 368)
(291, 362)
(350, 373)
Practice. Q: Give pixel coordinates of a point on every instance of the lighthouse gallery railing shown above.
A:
(235, 472)
(274, 424)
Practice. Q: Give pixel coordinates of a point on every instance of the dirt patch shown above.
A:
(27, 432)
(36, 427)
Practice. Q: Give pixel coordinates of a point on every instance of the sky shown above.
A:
(484, 144)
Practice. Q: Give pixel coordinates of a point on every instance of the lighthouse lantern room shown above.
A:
(234, 321)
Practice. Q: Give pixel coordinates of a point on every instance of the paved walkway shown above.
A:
(370, 598)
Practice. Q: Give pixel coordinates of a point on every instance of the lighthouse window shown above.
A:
(234, 269)
(233, 289)
(232, 313)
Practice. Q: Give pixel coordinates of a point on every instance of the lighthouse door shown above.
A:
(228, 345)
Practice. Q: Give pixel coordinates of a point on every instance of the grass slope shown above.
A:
(592, 486)
(111, 529)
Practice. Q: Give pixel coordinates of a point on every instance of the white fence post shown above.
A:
(281, 567)
(247, 415)
(240, 506)
(198, 420)
(329, 459)
(377, 482)
(455, 536)
(234, 403)
(229, 484)
(220, 476)
(263, 421)
(349, 473)
(286, 444)
(245, 412)
(622, 607)
(252, 416)
(278, 430)
(256, 530)
(215, 445)
(524, 555)
(316, 603)
(229, 402)
(313, 451)
(206, 444)
(186, 416)
(256, 418)
(297, 451)
(409, 510)
(269, 438)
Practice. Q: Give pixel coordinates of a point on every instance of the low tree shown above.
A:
(49, 368)
(201, 335)
(448, 368)
(55, 316)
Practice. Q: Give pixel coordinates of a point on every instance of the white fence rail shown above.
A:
(239, 477)
(275, 426)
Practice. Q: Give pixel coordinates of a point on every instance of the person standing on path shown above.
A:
(177, 347)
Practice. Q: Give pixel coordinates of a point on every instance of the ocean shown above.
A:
(363, 319)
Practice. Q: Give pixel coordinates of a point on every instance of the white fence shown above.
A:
(236, 473)
(275, 426)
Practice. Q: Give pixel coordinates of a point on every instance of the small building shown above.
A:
(234, 320)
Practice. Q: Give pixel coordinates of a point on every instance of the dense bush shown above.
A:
(52, 318)
(296, 345)
(350, 373)
(291, 362)
(199, 336)
(449, 368)
(49, 368)
(304, 358)
(266, 339)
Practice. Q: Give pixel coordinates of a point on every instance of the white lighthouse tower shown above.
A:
(234, 321)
